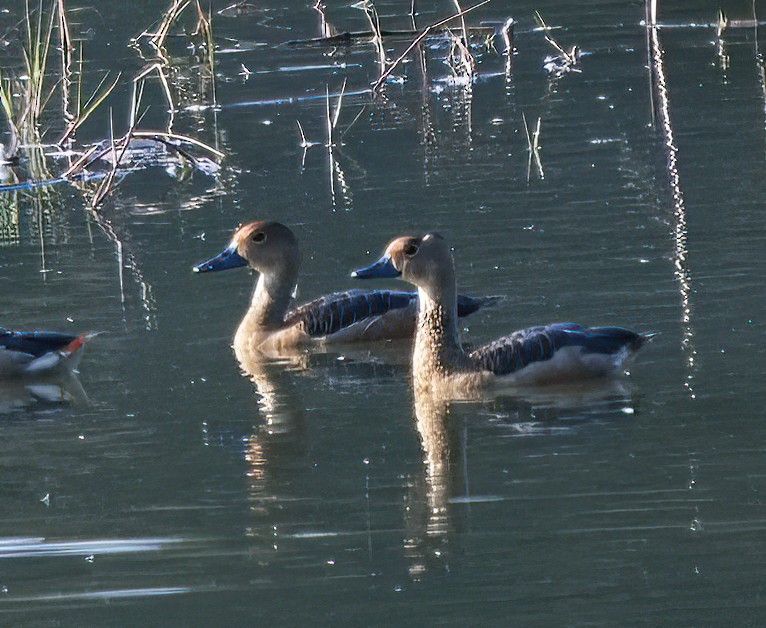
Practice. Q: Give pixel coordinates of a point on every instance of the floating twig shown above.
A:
(566, 60)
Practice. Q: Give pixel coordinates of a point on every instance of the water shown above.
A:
(169, 489)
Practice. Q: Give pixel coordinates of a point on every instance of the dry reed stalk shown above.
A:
(421, 36)
(65, 38)
(462, 21)
(95, 100)
(177, 137)
(374, 21)
(533, 148)
(506, 31)
(171, 15)
(36, 58)
(66, 48)
(569, 58)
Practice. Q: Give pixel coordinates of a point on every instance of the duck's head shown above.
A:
(420, 260)
(265, 246)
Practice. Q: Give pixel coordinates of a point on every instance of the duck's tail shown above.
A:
(67, 357)
(642, 338)
(467, 305)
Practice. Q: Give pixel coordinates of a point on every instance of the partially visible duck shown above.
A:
(270, 325)
(556, 353)
(35, 353)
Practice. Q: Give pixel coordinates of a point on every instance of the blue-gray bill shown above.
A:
(382, 269)
(228, 258)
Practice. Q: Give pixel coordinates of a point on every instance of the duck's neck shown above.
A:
(270, 301)
(437, 350)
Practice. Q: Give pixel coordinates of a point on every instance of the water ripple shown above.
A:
(29, 547)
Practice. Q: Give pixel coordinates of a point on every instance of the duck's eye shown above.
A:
(259, 237)
(410, 250)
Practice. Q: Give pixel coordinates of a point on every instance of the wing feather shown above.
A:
(512, 353)
(34, 343)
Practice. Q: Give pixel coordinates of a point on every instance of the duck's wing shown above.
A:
(34, 352)
(376, 314)
(34, 343)
(336, 312)
(604, 348)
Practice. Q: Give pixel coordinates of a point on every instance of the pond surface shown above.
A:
(165, 488)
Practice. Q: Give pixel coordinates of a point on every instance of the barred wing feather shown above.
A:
(512, 353)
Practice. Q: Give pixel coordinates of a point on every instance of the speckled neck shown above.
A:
(437, 352)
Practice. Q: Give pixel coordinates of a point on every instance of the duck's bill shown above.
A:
(382, 269)
(229, 258)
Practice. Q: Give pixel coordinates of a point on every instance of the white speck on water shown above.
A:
(81, 436)
(90, 558)
(696, 525)
(70, 319)
(267, 122)
(628, 410)
(398, 589)
(46, 500)
(330, 561)
(366, 461)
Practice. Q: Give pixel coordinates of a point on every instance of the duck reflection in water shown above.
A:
(45, 392)
(444, 490)
(427, 521)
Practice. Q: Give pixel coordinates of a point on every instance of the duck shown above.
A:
(558, 353)
(39, 353)
(271, 325)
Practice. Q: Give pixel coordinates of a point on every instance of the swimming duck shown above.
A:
(548, 354)
(35, 353)
(271, 249)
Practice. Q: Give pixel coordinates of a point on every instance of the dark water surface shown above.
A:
(170, 490)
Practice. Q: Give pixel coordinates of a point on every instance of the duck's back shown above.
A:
(30, 352)
(34, 343)
(558, 352)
